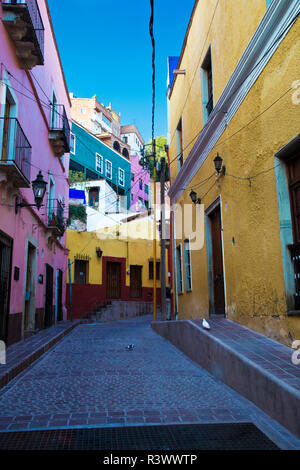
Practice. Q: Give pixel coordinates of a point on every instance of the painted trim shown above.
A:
(74, 148)
(101, 163)
(253, 61)
(286, 229)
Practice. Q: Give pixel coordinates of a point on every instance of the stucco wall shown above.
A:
(253, 272)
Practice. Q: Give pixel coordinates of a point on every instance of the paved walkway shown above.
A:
(90, 379)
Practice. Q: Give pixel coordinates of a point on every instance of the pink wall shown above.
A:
(30, 224)
(139, 173)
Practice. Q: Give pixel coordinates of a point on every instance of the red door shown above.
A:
(113, 280)
(217, 258)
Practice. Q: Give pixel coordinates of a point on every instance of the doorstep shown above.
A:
(22, 354)
(257, 367)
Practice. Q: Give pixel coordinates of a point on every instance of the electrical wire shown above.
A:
(238, 87)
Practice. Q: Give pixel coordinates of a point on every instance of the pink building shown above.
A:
(34, 137)
(140, 186)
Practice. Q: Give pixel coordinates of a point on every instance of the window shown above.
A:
(81, 272)
(140, 184)
(51, 198)
(151, 270)
(146, 188)
(83, 110)
(121, 177)
(207, 87)
(72, 143)
(116, 146)
(125, 139)
(108, 168)
(132, 177)
(187, 265)
(125, 153)
(179, 270)
(179, 144)
(106, 121)
(99, 163)
(94, 197)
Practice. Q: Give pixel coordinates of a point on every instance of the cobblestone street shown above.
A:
(90, 379)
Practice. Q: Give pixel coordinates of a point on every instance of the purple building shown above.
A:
(140, 186)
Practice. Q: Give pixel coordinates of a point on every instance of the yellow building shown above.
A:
(114, 265)
(236, 93)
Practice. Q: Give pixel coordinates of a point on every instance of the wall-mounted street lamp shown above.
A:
(39, 189)
(193, 196)
(99, 251)
(218, 165)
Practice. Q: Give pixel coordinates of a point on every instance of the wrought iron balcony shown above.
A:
(59, 130)
(15, 152)
(56, 221)
(24, 24)
(295, 256)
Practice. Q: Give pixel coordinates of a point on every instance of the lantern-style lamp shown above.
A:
(193, 196)
(218, 164)
(39, 189)
(99, 251)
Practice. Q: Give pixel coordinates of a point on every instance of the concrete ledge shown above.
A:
(23, 361)
(278, 399)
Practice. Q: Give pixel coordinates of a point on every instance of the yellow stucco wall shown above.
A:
(253, 272)
(134, 239)
(227, 27)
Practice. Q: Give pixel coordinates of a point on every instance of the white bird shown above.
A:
(205, 324)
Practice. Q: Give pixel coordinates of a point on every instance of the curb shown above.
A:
(33, 356)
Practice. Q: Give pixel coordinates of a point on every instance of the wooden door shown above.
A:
(59, 295)
(136, 281)
(6, 130)
(5, 274)
(293, 169)
(217, 262)
(113, 280)
(49, 296)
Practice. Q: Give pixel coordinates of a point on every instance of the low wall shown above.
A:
(269, 393)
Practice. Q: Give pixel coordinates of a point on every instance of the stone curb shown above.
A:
(33, 356)
(268, 392)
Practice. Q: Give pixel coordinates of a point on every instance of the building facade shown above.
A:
(237, 98)
(114, 265)
(140, 186)
(99, 161)
(34, 141)
(101, 121)
(131, 136)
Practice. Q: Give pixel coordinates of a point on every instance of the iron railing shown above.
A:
(56, 220)
(59, 122)
(295, 256)
(14, 145)
(35, 17)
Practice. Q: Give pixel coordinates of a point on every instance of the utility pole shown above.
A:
(70, 287)
(154, 231)
(163, 239)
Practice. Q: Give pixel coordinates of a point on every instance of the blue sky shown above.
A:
(105, 49)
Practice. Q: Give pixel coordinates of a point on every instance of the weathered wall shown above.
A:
(253, 271)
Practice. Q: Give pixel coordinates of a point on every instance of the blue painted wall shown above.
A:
(87, 146)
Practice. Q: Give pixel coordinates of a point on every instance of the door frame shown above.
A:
(10, 244)
(122, 261)
(211, 208)
(31, 315)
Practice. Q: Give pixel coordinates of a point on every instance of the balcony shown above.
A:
(59, 130)
(23, 22)
(56, 221)
(295, 256)
(15, 153)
